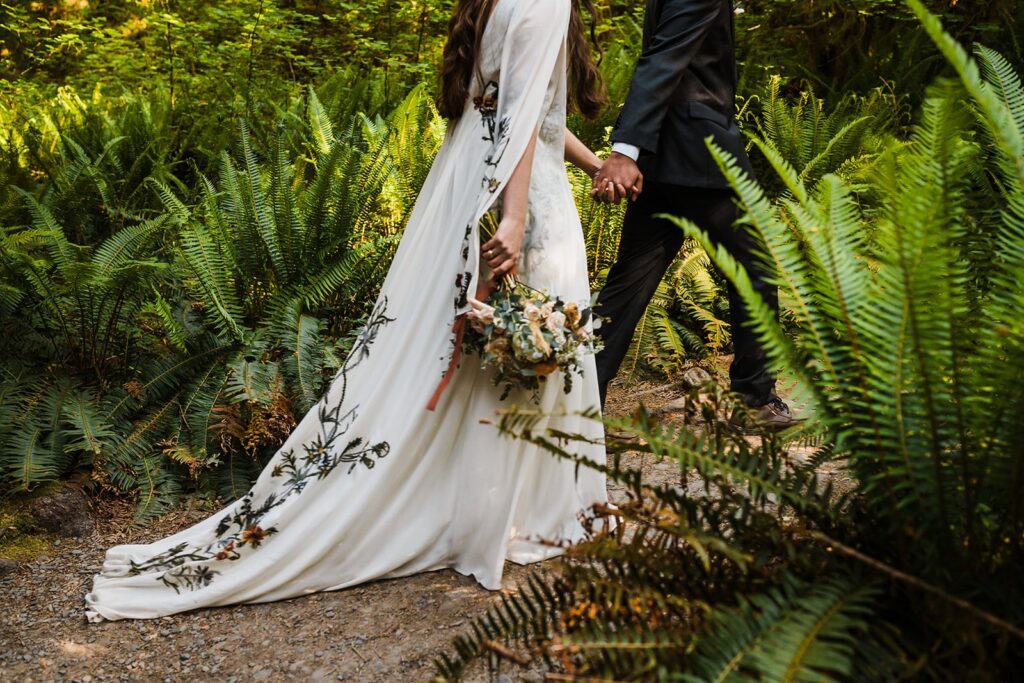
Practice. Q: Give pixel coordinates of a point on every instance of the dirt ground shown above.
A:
(383, 631)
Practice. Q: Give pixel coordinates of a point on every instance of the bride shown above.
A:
(372, 484)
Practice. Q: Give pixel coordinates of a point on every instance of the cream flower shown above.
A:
(498, 346)
(481, 316)
(556, 322)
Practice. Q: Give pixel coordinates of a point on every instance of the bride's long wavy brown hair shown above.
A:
(586, 88)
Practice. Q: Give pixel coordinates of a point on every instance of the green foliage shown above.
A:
(186, 251)
(214, 61)
(814, 139)
(751, 567)
(201, 51)
(857, 45)
(685, 321)
(185, 341)
(197, 280)
(696, 560)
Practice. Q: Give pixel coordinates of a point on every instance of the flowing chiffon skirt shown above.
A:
(370, 484)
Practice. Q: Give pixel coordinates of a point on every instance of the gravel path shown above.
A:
(383, 631)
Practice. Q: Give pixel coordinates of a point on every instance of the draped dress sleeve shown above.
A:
(509, 108)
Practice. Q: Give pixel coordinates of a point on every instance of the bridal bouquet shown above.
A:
(524, 334)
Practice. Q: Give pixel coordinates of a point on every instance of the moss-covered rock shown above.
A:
(22, 537)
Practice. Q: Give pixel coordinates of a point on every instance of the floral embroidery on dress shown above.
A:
(487, 104)
(496, 131)
(494, 156)
(245, 525)
(465, 278)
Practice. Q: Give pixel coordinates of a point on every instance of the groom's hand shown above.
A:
(619, 177)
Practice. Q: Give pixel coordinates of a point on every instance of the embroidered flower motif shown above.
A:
(254, 535)
(462, 282)
(495, 132)
(226, 552)
(487, 104)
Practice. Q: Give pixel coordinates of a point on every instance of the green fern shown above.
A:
(844, 139)
(797, 632)
(753, 567)
(87, 425)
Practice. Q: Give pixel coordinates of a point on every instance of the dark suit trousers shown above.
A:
(646, 250)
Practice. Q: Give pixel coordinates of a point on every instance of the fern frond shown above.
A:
(258, 207)
(64, 254)
(25, 460)
(88, 430)
(794, 633)
(516, 618)
(1000, 119)
(299, 334)
(158, 489)
(206, 261)
(319, 123)
(123, 247)
(342, 279)
(175, 331)
(176, 209)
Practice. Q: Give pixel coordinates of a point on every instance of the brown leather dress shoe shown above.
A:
(774, 415)
(623, 441)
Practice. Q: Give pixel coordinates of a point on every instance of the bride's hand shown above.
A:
(501, 252)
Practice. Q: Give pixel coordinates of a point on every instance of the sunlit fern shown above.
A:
(816, 137)
(750, 568)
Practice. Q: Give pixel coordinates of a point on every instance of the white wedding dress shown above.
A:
(371, 485)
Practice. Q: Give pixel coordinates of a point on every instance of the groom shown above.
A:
(683, 90)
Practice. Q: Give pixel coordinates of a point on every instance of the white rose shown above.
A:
(556, 322)
(531, 312)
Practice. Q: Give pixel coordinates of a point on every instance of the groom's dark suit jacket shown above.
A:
(683, 90)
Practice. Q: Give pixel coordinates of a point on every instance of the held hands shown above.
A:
(619, 177)
(501, 252)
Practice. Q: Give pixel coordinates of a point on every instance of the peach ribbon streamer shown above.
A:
(459, 328)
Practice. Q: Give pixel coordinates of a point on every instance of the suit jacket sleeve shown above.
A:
(677, 38)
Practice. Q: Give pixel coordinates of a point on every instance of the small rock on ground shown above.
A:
(64, 512)
(6, 567)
